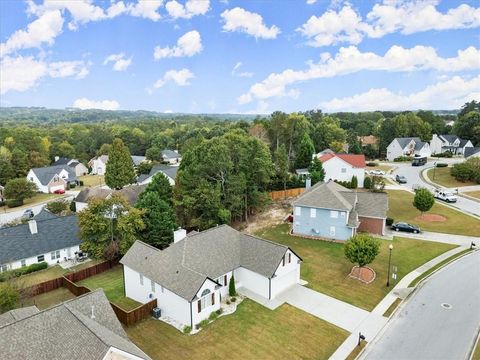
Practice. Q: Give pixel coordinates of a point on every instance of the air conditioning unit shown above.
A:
(157, 313)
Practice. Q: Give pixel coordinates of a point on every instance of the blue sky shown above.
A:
(240, 56)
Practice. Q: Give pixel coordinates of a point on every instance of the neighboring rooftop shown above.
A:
(46, 174)
(170, 154)
(62, 161)
(53, 233)
(355, 160)
(170, 171)
(331, 195)
(138, 159)
(469, 151)
(17, 314)
(129, 193)
(185, 265)
(83, 328)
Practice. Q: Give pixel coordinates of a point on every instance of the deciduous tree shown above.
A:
(423, 200)
(361, 249)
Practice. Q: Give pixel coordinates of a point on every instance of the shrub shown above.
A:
(204, 323)
(367, 183)
(198, 326)
(423, 200)
(56, 207)
(219, 311)
(187, 329)
(80, 183)
(228, 302)
(231, 287)
(462, 172)
(23, 271)
(354, 182)
(72, 185)
(402, 158)
(2, 203)
(213, 316)
(73, 206)
(14, 203)
(9, 298)
(441, 165)
(389, 221)
(233, 299)
(372, 163)
(446, 154)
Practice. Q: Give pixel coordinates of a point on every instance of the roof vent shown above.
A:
(179, 234)
(92, 316)
(32, 225)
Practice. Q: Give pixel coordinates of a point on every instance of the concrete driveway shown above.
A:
(440, 321)
(334, 311)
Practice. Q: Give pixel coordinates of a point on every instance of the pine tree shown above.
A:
(231, 287)
(317, 173)
(120, 171)
(303, 157)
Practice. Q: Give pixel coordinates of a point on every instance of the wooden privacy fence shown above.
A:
(131, 317)
(75, 289)
(91, 271)
(281, 194)
(42, 288)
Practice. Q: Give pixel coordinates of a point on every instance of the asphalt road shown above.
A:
(424, 329)
(412, 173)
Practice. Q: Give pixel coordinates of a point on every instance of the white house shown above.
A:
(85, 327)
(51, 178)
(169, 171)
(45, 238)
(98, 165)
(191, 276)
(343, 167)
(171, 156)
(76, 165)
(472, 152)
(408, 146)
(449, 143)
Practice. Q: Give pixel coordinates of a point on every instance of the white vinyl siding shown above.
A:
(23, 263)
(141, 279)
(152, 286)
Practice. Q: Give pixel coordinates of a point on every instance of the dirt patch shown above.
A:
(275, 214)
(431, 218)
(363, 274)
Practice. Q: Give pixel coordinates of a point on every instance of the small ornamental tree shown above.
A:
(361, 249)
(423, 200)
(367, 183)
(9, 297)
(19, 189)
(354, 182)
(231, 287)
(317, 173)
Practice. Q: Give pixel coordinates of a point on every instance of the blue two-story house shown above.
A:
(330, 211)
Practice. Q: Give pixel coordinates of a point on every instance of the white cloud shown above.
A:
(450, 94)
(22, 73)
(180, 77)
(350, 60)
(187, 45)
(120, 63)
(240, 74)
(238, 19)
(407, 17)
(84, 103)
(146, 8)
(189, 10)
(311, 2)
(42, 30)
(61, 69)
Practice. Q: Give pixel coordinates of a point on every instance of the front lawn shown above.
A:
(92, 180)
(36, 199)
(252, 332)
(475, 194)
(443, 178)
(111, 281)
(400, 204)
(326, 269)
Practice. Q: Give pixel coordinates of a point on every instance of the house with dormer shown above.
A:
(407, 146)
(449, 143)
(49, 179)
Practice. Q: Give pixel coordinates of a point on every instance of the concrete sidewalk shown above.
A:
(460, 240)
(374, 323)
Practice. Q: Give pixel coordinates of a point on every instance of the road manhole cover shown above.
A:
(446, 306)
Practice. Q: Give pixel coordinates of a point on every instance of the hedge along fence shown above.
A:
(281, 194)
(131, 317)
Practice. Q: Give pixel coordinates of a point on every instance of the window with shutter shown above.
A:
(283, 261)
(289, 258)
(213, 298)
(225, 280)
(199, 305)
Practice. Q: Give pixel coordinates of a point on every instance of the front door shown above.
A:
(69, 253)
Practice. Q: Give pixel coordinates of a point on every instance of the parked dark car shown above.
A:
(401, 179)
(406, 228)
(28, 214)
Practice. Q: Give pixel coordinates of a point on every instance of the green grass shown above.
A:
(400, 204)
(50, 273)
(353, 355)
(326, 269)
(38, 198)
(392, 307)
(385, 168)
(49, 299)
(111, 282)
(252, 332)
(92, 180)
(438, 266)
(476, 352)
(475, 194)
(443, 178)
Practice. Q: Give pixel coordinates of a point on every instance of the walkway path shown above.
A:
(437, 237)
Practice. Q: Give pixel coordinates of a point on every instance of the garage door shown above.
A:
(283, 282)
(56, 187)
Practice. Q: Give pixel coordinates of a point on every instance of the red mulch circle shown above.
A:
(431, 218)
(363, 274)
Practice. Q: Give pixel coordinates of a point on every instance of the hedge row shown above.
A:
(22, 271)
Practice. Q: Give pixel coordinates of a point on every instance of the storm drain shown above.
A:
(446, 306)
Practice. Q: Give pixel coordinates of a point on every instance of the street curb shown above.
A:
(402, 304)
(475, 344)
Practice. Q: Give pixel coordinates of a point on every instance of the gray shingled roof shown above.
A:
(406, 140)
(129, 193)
(44, 214)
(184, 266)
(331, 195)
(62, 161)
(137, 159)
(67, 331)
(449, 138)
(170, 171)
(469, 151)
(170, 154)
(17, 242)
(89, 193)
(17, 314)
(46, 174)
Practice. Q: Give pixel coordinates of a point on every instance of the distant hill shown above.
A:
(73, 115)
